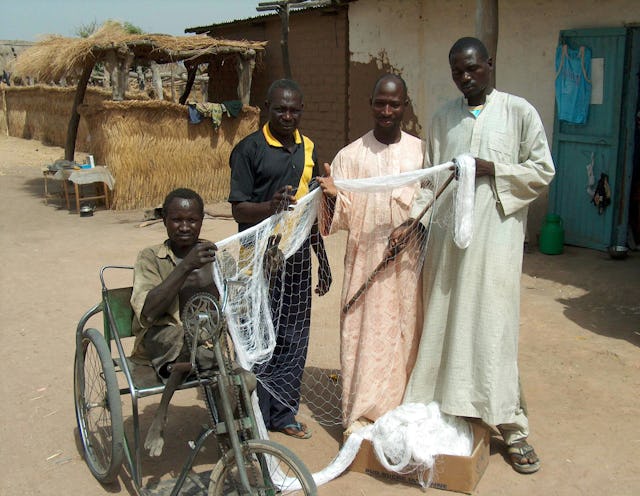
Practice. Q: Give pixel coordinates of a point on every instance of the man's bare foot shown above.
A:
(154, 441)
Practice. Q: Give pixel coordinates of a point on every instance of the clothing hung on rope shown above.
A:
(573, 83)
(214, 111)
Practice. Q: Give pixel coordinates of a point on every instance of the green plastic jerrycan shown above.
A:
(552, 235)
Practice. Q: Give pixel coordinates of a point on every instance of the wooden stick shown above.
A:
(149, 222)
(403, 238)
(218, 216)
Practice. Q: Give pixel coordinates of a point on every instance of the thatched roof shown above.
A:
(55, 56)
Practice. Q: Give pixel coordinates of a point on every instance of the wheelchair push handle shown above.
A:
(108, 268)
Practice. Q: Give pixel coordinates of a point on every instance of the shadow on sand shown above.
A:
(603, 294)
(159, 473)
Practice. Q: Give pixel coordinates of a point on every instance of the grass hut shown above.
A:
(149, 145)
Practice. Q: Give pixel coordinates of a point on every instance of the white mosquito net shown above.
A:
(350, 360)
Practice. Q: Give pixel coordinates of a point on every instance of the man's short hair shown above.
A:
(285, 84)
(185, 194)
(469, 42)
(390, 75)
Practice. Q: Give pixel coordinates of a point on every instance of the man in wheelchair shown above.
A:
(165, 277)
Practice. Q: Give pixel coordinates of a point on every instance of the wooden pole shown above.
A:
(282, 7)
(245, 71)
(140, 76)
(156, 80)
(191, 77)
(111, 67)
(487, 29)
(283, 10)
(123, 63)
(213, 70)
(74, 121)
(173, 87)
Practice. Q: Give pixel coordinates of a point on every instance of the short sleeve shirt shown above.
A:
(153, 266)
(260, 166)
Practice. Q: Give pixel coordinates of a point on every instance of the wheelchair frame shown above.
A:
(99, 410)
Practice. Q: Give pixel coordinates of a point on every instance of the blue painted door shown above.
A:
(595, 143)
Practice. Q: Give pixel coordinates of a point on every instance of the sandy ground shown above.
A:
(580, 355)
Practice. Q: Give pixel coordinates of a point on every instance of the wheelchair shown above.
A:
(247, 464)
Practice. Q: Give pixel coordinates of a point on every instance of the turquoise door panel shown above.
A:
(597, 142)
(583, 225)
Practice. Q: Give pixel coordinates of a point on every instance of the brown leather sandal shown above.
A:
(521, 455)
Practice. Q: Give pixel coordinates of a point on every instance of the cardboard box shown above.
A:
(452, 473)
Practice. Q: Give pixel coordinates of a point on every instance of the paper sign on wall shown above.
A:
(597, 81)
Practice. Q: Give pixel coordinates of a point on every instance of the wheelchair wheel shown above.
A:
(262, 458)
(98, 407)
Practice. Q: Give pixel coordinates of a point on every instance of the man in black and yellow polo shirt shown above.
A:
(270, 169)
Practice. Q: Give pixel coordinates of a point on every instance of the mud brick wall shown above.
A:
(318, 53)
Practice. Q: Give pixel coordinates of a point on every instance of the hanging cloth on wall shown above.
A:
(573, 83)
(591, 179)
(602, 196)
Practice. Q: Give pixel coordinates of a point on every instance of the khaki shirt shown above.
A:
(153, 266)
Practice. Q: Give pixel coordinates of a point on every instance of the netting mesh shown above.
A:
(348, 362)
(251, 279)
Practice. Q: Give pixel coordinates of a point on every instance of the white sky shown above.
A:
(29, 19)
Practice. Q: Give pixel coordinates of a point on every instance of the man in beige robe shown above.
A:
(380, 331)
(468, 356)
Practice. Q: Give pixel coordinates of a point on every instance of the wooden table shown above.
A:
(98, 174)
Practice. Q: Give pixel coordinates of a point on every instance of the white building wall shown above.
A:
(415, 37)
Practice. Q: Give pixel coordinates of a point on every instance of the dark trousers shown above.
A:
(279, 379)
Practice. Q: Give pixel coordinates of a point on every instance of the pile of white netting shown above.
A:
(362, 370)
(409, 437)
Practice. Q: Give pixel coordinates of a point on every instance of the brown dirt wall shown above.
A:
(318, 53)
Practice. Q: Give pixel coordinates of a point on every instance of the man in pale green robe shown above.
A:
(468, 355)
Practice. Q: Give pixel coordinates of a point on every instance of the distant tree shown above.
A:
(131, 28)
(126, 25)
(86, 30)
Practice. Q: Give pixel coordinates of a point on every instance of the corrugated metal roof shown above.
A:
(247, 20)
(295, 9)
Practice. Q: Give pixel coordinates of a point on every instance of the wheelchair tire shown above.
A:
(98, 407)
(258, 455)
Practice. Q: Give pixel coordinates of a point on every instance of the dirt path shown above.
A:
(580, 355)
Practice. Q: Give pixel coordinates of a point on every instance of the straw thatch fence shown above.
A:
(151, 148)
(42, 112)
